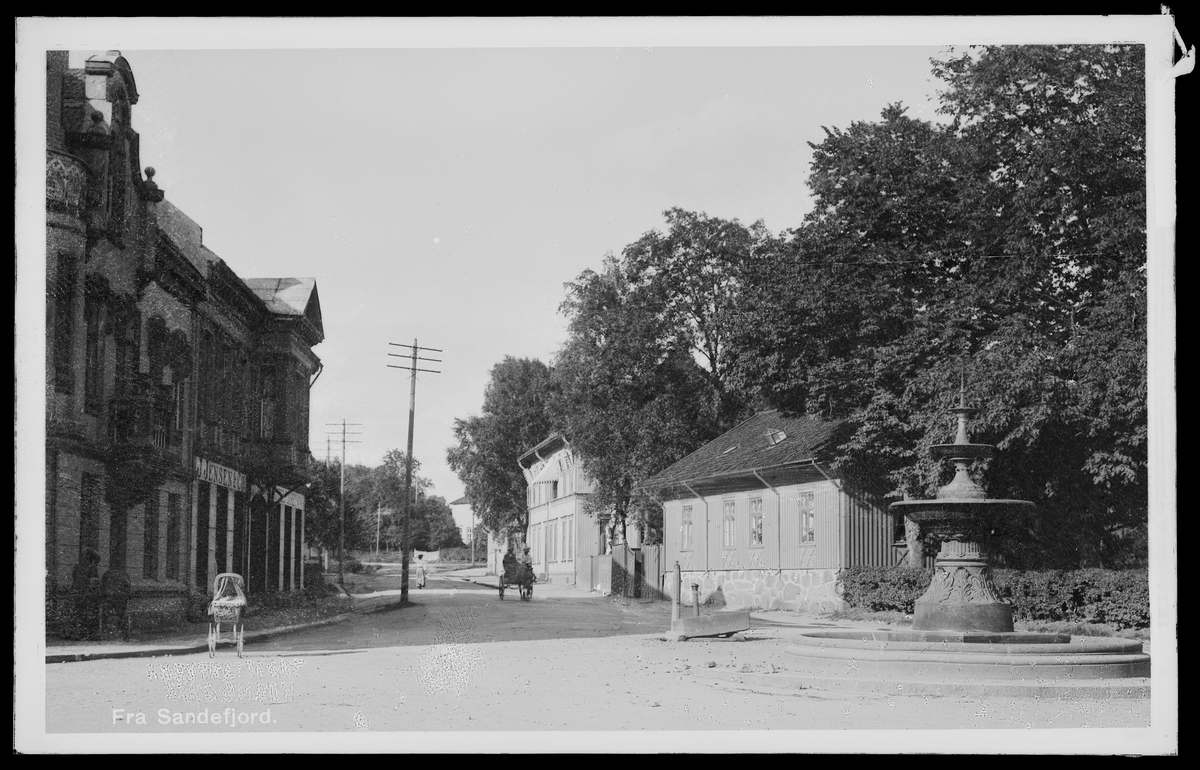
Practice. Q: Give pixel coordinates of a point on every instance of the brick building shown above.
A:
(177, 392)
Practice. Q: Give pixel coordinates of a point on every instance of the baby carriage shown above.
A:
(227, 606)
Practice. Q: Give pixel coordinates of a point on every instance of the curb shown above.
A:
(188, 649)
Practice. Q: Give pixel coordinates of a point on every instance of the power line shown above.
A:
(342, 496)
(408, 459)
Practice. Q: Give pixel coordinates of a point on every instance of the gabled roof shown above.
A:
(767, 445)
(542, 450)
(294, 298)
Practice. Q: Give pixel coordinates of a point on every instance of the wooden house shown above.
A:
(564, 541)
(756, 520)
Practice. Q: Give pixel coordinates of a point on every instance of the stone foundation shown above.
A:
(801, 590)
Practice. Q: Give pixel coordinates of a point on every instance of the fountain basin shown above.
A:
(958, 656)
(948, 508)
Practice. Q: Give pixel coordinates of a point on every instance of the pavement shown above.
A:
(358, 604)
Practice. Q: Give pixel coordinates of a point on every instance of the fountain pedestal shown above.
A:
(961, 596)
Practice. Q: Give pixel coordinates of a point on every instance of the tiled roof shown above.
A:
(766, 440)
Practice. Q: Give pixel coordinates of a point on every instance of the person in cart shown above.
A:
(525, 564)
(510, 563)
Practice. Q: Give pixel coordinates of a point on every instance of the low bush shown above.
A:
(351, 565)
(314, 580)
(1118, 598)
(879, 589)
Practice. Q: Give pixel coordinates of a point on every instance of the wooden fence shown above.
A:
(630, 572)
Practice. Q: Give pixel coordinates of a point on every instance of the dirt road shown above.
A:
(460, 660)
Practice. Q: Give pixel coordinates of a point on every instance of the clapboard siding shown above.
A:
(869, 533)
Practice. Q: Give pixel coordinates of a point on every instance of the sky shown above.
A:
(446, 195)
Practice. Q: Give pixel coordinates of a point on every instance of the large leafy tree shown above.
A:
(513, 419)
(682, 286)
(630, 395)
(644, 378)
(1006, 248)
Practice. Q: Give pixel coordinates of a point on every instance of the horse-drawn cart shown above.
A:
(521, 575)
(227, 606)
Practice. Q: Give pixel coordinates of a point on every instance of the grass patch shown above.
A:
(1080, 629)
(892, 617)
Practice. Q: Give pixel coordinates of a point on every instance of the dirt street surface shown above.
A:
(458, 659)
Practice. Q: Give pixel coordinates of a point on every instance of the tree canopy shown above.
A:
(370, 491)
(1007, 246)
(513, 419)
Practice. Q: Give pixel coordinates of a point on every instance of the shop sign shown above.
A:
(220, 475)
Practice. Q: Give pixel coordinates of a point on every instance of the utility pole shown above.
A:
(378, 522)
(342, 498)
(408, 458)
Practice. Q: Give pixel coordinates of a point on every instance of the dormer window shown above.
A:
(730, 449)
(775, 436)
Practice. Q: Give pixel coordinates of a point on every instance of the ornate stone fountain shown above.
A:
(961, 596)
(962, 640)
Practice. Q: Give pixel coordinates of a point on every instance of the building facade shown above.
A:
(562, 537)
(755, 520)
(177, 392)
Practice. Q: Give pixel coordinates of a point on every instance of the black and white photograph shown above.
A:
(789, 385)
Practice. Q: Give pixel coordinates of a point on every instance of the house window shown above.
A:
(93, 358)
(266, 413)
(756, 523)
(150, 538)
(806, 506)
(729, 522)
(127, 330)
(174, 525)
(685, 529)
(118, 531)
(64, 320)
(553, 490)
(566, 529)
(178, 399)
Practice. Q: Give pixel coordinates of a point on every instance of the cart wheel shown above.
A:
(212, 639)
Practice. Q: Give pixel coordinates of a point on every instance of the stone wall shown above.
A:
(154, 607)
(807, 590)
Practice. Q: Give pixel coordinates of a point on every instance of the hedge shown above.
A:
(1120, 598)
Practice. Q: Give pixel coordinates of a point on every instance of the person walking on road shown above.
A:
(420, 570)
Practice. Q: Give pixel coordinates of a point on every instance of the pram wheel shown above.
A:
(212, 639)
